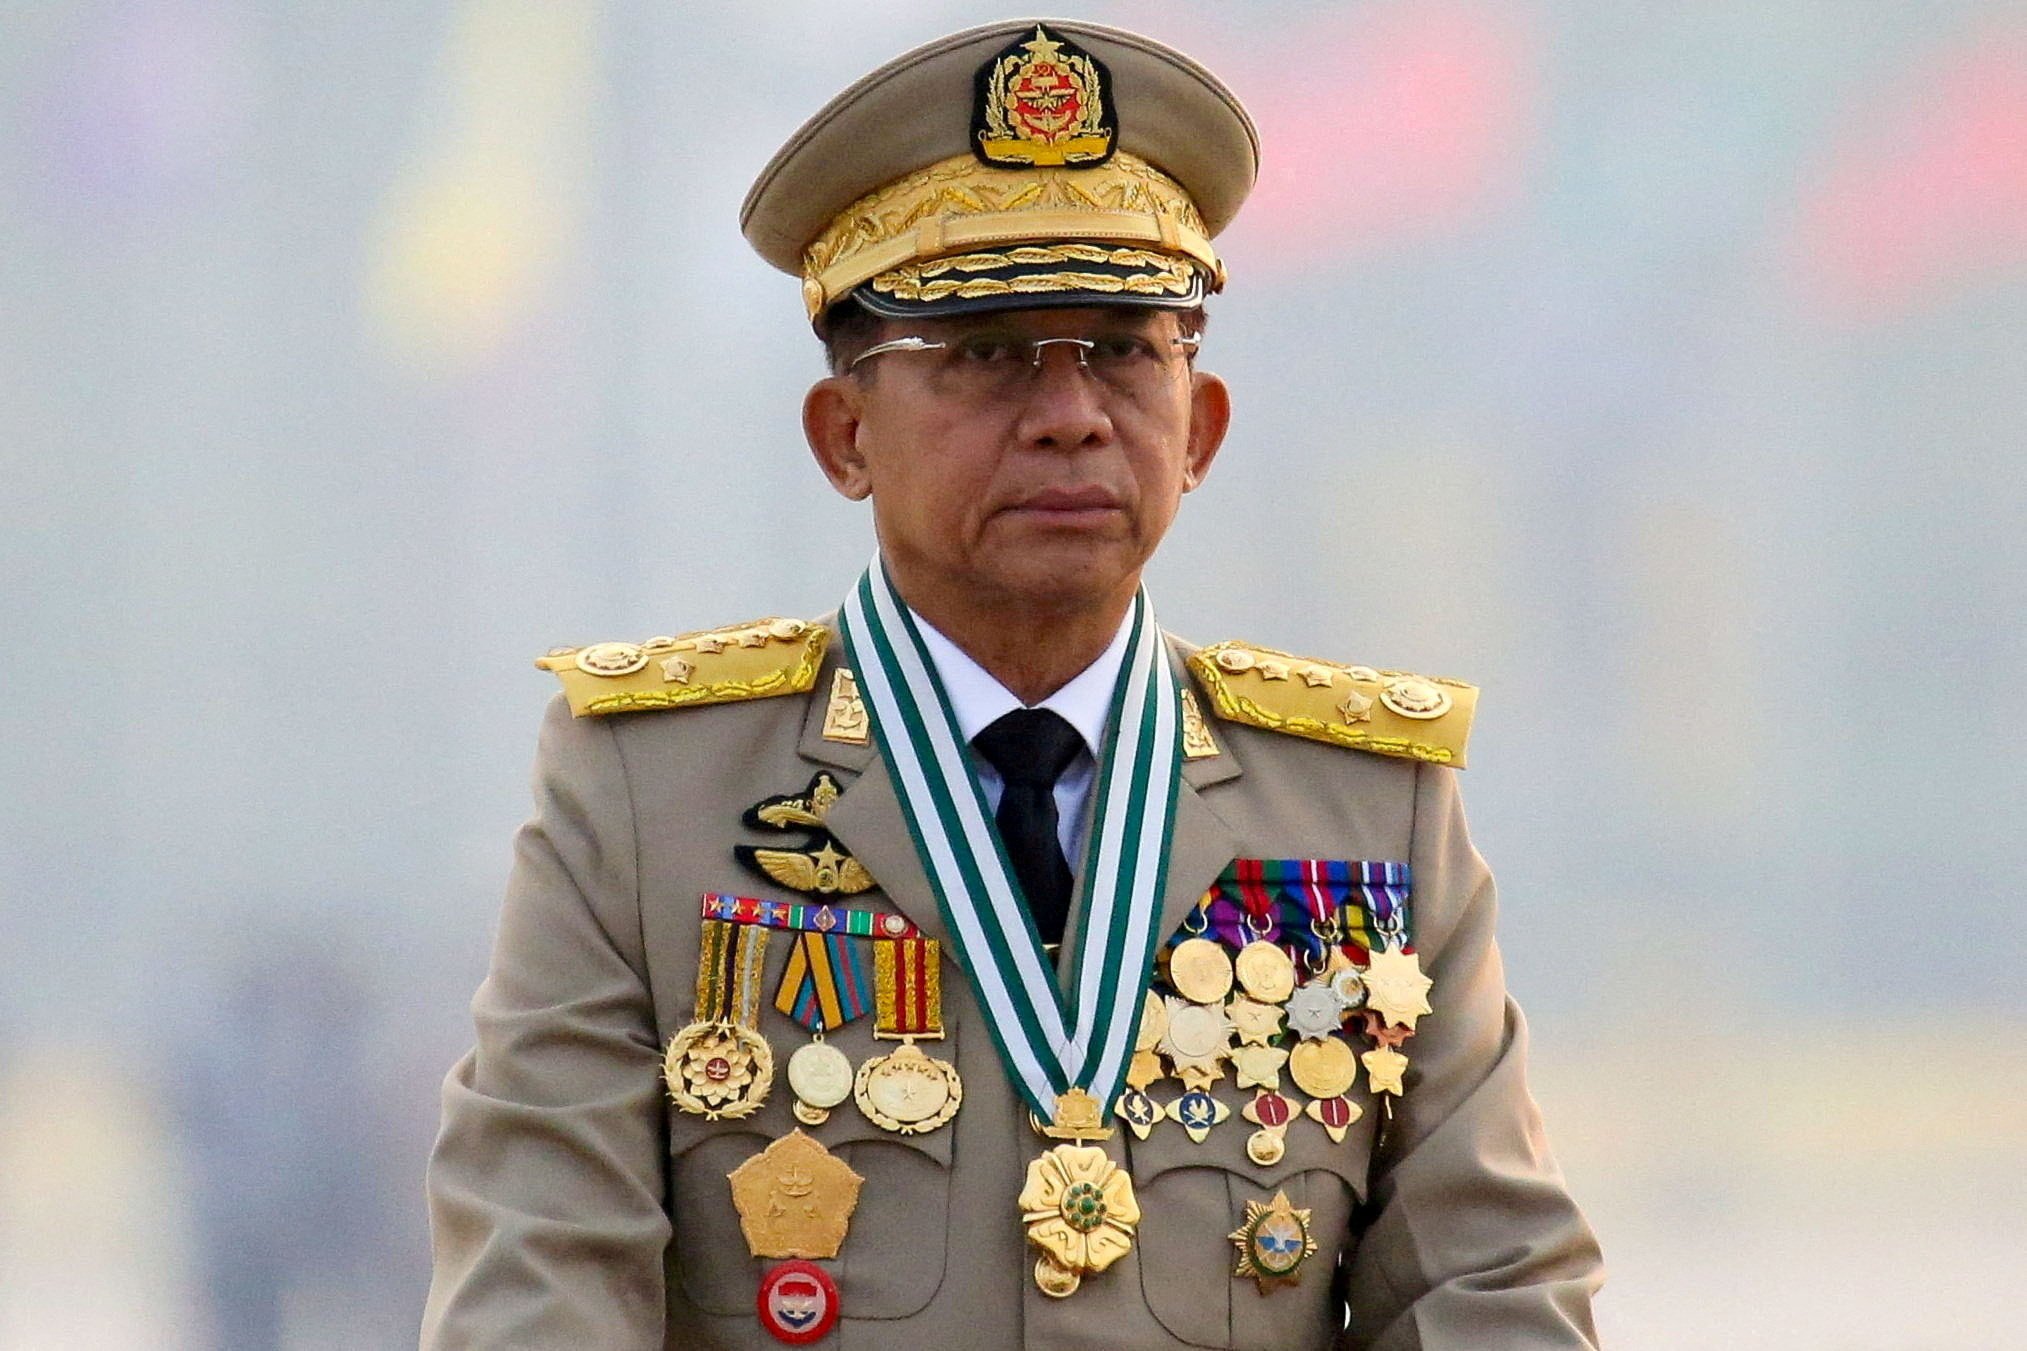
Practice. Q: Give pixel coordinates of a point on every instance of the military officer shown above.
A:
(981, 965)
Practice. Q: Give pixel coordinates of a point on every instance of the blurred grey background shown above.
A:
(1661, 368)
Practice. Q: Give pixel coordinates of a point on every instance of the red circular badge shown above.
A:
(798, 1302)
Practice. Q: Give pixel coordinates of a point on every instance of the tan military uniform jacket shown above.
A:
(574, 1208)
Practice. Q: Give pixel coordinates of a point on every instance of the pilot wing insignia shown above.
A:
(822, 867)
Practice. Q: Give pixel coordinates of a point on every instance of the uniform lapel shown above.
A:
(1199, 847)
(867, 816)
(1199, 850)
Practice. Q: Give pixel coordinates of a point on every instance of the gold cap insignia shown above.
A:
(1043, 101)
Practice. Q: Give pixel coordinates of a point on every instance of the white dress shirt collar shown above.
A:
(978, 699)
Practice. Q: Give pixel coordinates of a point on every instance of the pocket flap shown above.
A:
(717, 1273)
(1306, 1145)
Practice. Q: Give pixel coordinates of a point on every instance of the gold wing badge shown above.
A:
(821, 867)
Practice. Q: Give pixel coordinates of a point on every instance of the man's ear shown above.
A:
(831, 415)
(1210, 416)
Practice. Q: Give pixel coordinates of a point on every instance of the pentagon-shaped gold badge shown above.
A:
(795, 1198)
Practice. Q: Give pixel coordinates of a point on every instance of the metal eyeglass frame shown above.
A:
(1083, 347)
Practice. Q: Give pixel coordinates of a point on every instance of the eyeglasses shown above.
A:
(997, 367)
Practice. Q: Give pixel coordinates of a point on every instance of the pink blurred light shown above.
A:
(1385, 125)
(1928, 194)
(151, 105)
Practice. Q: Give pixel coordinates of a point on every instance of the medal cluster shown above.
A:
(1286, 968)
(720, 1067)
(795, 1198)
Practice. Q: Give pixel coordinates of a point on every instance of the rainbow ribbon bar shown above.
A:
(801, 917)
(1369, 896)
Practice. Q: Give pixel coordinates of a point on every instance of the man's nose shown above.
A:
(1066, 405)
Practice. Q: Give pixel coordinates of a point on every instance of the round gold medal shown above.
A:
(1054, 1279)
(1200, 971)
(1266, 1146)
(1198, 1032)
(821, 1077)
(1323, 1069)
(1265, 972)
(908, 1092)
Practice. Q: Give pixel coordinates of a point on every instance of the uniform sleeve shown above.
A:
(546, 1183)
(1470, 1239)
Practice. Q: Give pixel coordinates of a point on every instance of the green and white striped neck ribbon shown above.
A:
(1049, 1042)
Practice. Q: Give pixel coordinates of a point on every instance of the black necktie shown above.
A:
(1031, 747)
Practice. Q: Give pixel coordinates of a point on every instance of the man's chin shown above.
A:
(1058, 576)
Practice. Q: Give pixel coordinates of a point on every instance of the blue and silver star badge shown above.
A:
(1273, 1243)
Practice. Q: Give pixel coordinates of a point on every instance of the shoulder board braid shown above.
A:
(1386, 712)
(755, 660)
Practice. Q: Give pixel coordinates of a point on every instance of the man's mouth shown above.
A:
(1068, 505)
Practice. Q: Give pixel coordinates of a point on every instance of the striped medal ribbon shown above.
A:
(1050, 1041)
(729, 959)
(824, 985)
(908, 989)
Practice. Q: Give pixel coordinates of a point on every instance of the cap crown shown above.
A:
(1043, 112)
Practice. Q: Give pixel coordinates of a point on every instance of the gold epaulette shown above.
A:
(1386, 712)
(755, 660)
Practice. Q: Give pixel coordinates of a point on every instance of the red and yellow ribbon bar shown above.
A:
(907, 988)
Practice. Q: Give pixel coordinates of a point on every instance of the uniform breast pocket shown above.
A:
(1193, 1197)
(903, 1203)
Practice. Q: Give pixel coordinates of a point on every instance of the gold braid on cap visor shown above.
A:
(903, 236)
